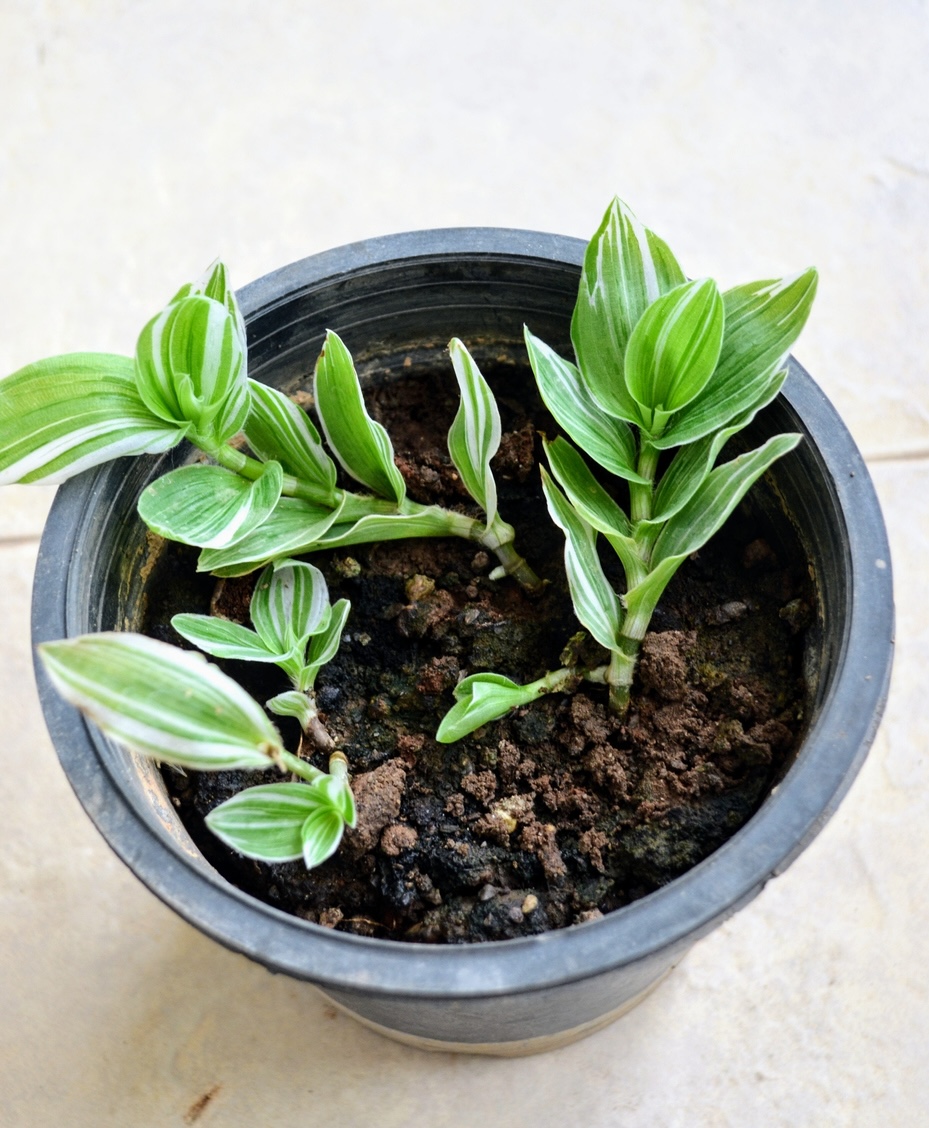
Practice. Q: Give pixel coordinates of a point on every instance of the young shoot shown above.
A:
(296, 628)
(666, 369)
(189, 380)
(177, 708)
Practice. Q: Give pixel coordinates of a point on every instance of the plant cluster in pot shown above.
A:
(575, 684)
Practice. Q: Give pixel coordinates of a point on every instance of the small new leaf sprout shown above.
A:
(296, 628)
(662, 363)
(175, 707)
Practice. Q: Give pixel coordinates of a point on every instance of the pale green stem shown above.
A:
(498, 538)
(300, 767)
(642, 496)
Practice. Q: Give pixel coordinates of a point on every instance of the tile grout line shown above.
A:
(18, 542)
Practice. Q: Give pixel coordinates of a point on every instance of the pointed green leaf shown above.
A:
(431, 521)
(68, 413)
(608, 441)
(190, 368)
(292, 703)
(763, 319)
(161, 701)
(595, 603)
(692, 463)
(339, 796)
(708, 509)
(278, 429)
(359, 443)
(626, 268)
(593, 503)
(224, 639)
(210, 506)
(474, 436)
(482, 698)
(321, 835)
(293, 526)
(324, 646)
(290, 603)
(673, 350)
(266, 822)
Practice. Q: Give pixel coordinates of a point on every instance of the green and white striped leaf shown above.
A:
(338, 793)
(164, 702)
(321, 835)
(626, 268)
(593, 503)
(608, 441)
(278, 429)
(190, 368)
(673, 350)
(293, 526)
(706, 512)
(266, 822)
(66, 414)
(209, 506)
(225, 639)
(692, 463)
(292, 703)
(431, 521)
(596, 604)
(324, 646)
(360, 444)
(482, 698)
(290, 602)
(213, 283)
(763, 319)
(474, 436)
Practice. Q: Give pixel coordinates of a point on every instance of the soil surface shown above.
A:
(559, 813)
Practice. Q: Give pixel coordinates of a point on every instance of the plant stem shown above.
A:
(498, 538)
(641, 496)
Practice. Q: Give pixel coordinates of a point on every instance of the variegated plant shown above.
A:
(189, 381)
(172, 705)
(665, 366)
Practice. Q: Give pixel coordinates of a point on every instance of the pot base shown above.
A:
(522, 1047)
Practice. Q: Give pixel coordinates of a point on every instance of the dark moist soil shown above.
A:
(559, 813)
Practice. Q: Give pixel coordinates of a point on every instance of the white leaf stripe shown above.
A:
(608, 441)
(474, 437)
(68, 413)
(277, 428)
(161, 701)
(596, 604)
(293, 526)
(361, 445)
(209, 506)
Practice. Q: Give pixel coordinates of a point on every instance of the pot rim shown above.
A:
(675, 915)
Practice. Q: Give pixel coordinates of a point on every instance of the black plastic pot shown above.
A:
(408, 293)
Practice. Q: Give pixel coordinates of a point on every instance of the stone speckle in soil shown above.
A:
(561, 812)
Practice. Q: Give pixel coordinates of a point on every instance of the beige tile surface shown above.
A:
(139, 141)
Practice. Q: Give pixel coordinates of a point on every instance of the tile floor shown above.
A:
(138, 141)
